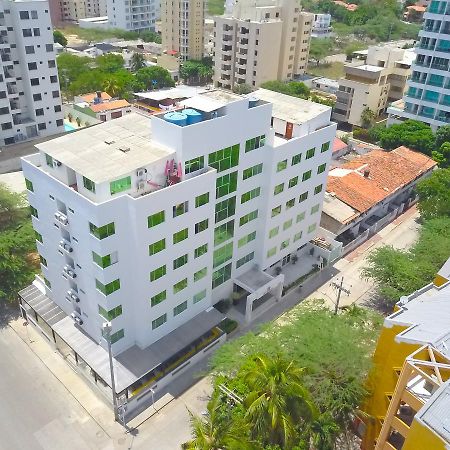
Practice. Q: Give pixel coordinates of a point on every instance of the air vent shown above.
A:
(109, 141)
(124, 149)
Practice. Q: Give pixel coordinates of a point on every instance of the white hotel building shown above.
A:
(148, 223)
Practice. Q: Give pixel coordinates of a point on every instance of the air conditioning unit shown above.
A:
(57, 215)
(141, 185)
(76, 318)
(141, 172)
(69, 270)
(56, 163)
(63, 219)
(65, 246)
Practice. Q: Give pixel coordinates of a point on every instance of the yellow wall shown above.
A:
(439, 280)
(421, 437)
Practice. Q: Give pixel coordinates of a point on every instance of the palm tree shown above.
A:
(137, 62)
(278, 402)
(367, 118)
(111, 87)
(323, 431)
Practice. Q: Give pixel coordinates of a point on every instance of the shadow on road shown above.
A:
(8, 312)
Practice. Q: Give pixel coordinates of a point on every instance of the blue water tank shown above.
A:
(177, 118)
(252, 101)
(193, 116)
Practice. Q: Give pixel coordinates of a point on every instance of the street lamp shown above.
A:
(107, 328)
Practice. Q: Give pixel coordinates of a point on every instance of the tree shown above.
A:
(294, 88)
(195, 71)
(434, 194)
(320, 48)
(242, 88)
(137, 62)
(367, 117)
(442, 156)
(154, 77)
(323, 432)
(90, 81)
(70, 67)
(109, 63)
(59, 38)
(150, 36)
(442, 135)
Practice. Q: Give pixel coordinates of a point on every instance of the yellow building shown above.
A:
(409, 406)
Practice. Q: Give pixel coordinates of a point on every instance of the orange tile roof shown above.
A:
(347, 6)
(417, 8)
(338, 145)
(106, 106)
(89, 98)
(388, 172)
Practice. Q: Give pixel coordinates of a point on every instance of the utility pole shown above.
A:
(340, 289)
(107, 328)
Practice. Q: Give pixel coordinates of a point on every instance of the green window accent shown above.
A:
(194, 164)
(201, 226)
(180, 235)
(300, 217)
(117, 336)
(246, 239)
(293, 182)
(180, 261)
(224, 159)
(273, 232)
(318, 189)
(158, 273)
(296, 159)
(303, 197)
(225, 209)
(88, 184)
(314, 209)
(282, 165)
(29, 185)
(256, 142)
(250, 195)
(199, 251)
(159, 321)
(119, 185)
(49, 160)
(223, 232)
(47, 283)
(180, 209)
(221, 275)
(290, 203)
(321, 168)
(43, 260)
(252, 171)
(200, 274)
(158, 298)
(34, 211)
(298, 236)
(109, 288)
(306, 175)
(276, 211)
(325, 147)
(287, 224)
(245, 259)
(226, 184)
(284, 244)
(202, 199)
(271, 252)
(222, 254)
(157, 247)
(182, 284)
(103, 231)
(312, 227)
(278, 189)
(248, 217)
(156, 219)
(310, 153)
(111, 314)
(200, 296)
(102, 261)
(38, 237)
(180, 308)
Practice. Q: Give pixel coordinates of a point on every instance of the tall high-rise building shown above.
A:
(132, 15)
(428, 95)
(30, 100)
(260, 41)
(182, 25)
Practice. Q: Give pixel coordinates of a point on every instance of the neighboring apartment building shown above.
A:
(101, 106)
(30, 101)
(321, 25)
(374, 82)
(133, 15)
(182, 30)
(409, 404)
(74, 10)
(261, 41)
(148, 222)
(428, 95)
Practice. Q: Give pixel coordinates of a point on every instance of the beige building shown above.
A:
(182, 28)
(74, 10)
(260, 41)
(375, 78)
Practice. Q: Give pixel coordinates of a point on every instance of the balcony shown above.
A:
(440, 67)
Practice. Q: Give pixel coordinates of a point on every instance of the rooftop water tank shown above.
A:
(177, 118)
(193, 116)
(252, 101)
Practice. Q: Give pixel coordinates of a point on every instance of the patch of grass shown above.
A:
(216, 7)
(333, 70)
(96, 35)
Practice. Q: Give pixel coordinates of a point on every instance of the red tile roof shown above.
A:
(89, 98)
(386, 172)
(338, 145)
(106, 106)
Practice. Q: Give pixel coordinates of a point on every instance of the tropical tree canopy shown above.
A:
(59, 38)
(137, 61)
(434, 194)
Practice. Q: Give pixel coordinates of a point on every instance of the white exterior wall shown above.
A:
(133, 15)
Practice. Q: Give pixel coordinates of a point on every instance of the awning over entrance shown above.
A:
(253, 280)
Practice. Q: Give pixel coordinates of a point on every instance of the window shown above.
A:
(4, 110)
(221, 275)
(51, 63)
(180, 261)
(180, 235)
(180, 209)
(43, 260)
(271, 252)
(321, 168)
(34, 81)
(157, 247)
(37, 97)
(225, 209)
(248, 218)
(293, 182)
(200, 296)
(311, 228)
(159, 321)
(314, 209)
(29, 49)
(287, 224)
(158, 298)
(245, 259)
(49, 47)
(194, 164)
(55, 94)
(180, 308)
(296, 159)
(109, 288)
(156, 219)
(284, 244)
(278, 189)
(38, 237)
(53, 79)
(298, 236)
(102, 232)
(6, 126)
(199, 251)
(34, 14)
(318, 189)
(32, 66)
(202, 199)
(200, 274)
(34, 212)
(325, 147)
(306, 175)
(246, 239)
(300, 217)
(104, 261)
(24, 15)
(290, 203)
(224, 159)
(273, 232)
(254, 143)
(120, 185)
(310, 153)
(252, 171)
(39, 112)
(226, 184)
(276, 211)
(57, 108)
(201, 226)
(281, 165)
(223, 232)
(303, 197)
(250, 195)
(88, 184)
(177, 287)
(29, 185)
(42, 126)
(158, 273)
(222, 254)
(111, 314)
(115, 336)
